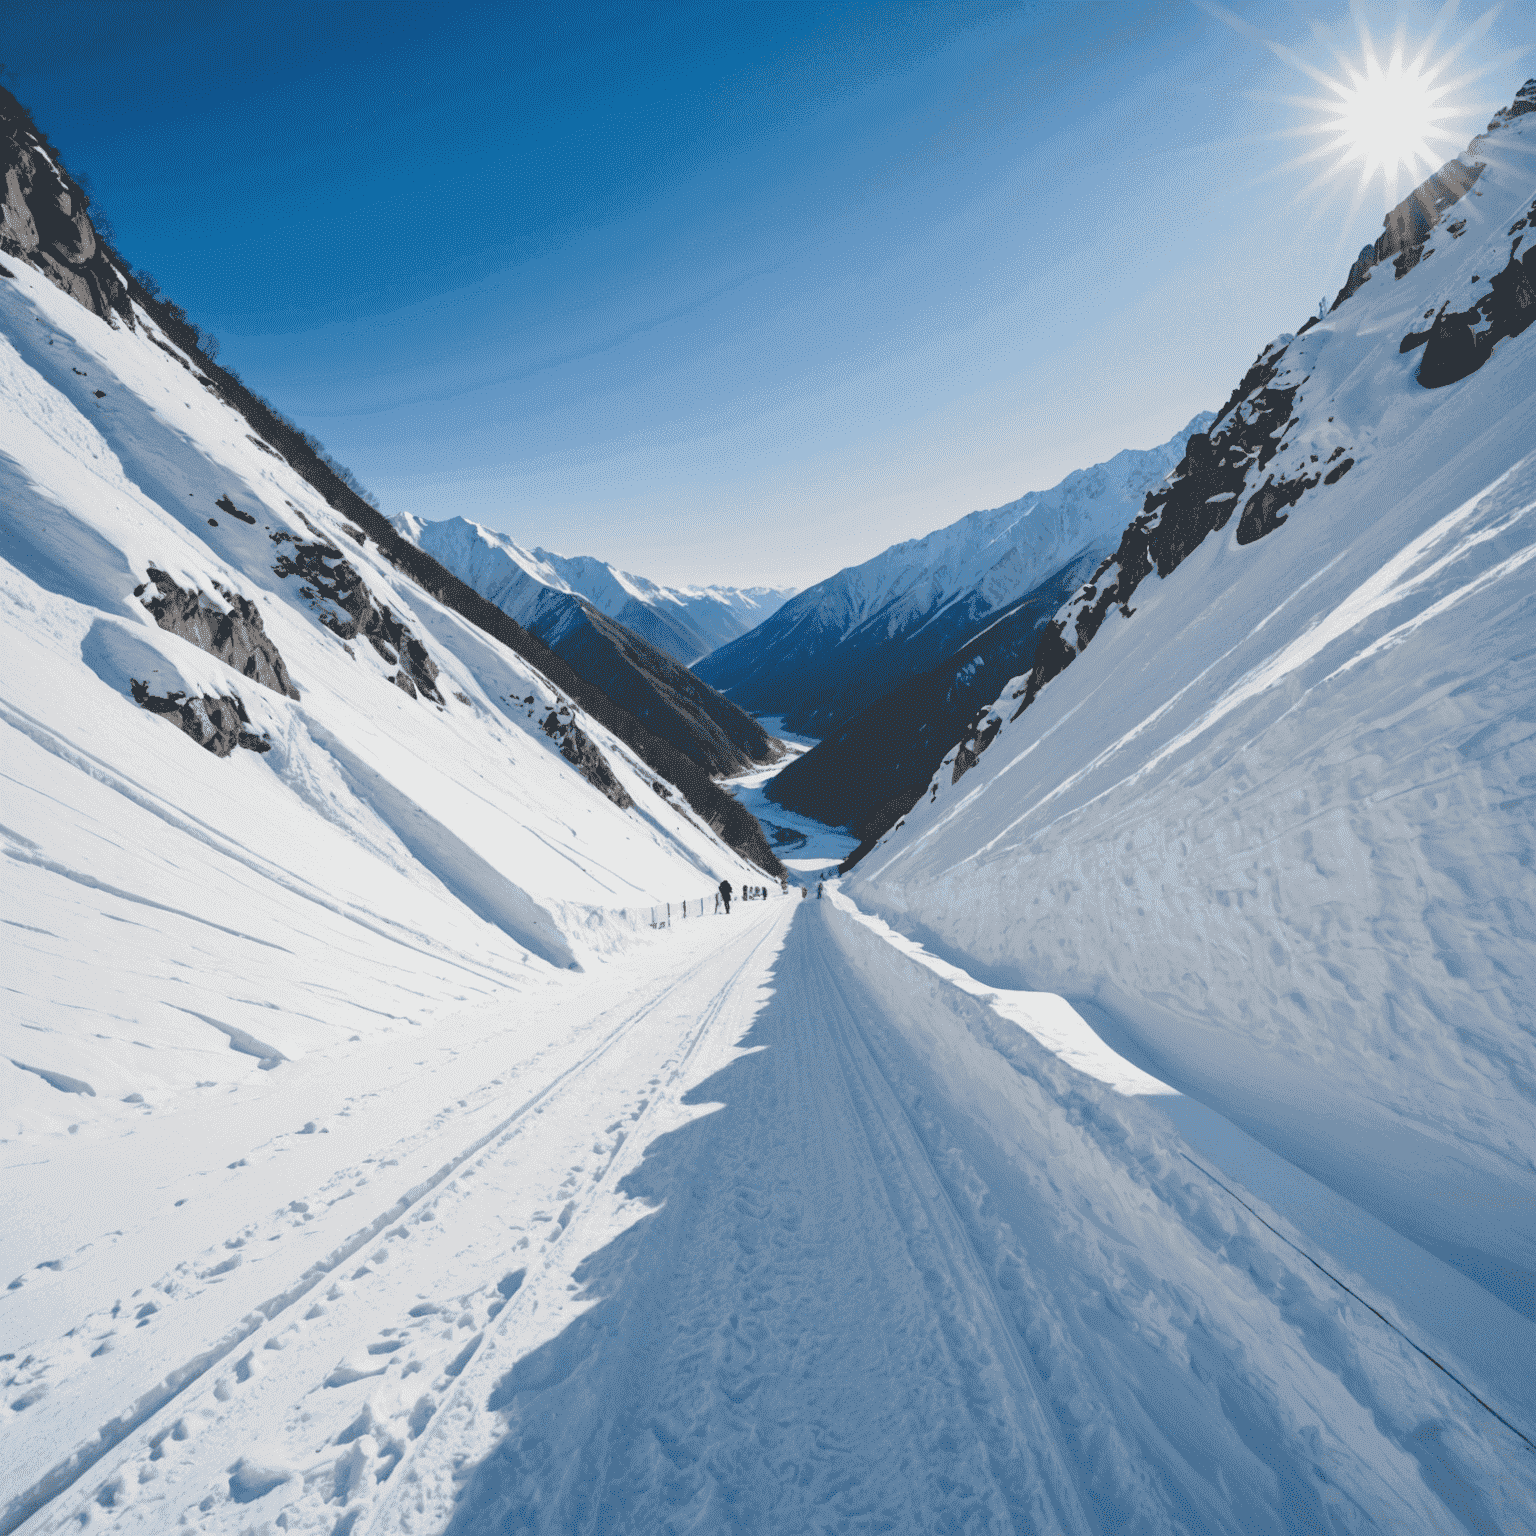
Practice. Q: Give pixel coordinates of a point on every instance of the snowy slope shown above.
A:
(643, 677)
(405, 814)
(850, 639)
(1264, 810)
(685, 622)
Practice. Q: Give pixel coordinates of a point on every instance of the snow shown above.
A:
(1272, 831)
(385, 861)
(517, 580)
(778, 1224)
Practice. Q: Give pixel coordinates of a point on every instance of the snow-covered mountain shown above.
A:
(648, 681)
(685, 622)
(1262, 805)
(850, 639)
(265, 789)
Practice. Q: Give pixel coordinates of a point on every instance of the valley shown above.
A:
(1117, 1112)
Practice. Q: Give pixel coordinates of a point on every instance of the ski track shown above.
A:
(126, 1476)
(795, 1235)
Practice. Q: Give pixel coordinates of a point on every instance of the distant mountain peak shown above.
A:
(686, 622)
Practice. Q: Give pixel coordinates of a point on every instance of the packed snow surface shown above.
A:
(1272, 829)
(778, 1227)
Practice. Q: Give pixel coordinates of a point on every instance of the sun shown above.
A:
(1380, 117)
(1385, 117)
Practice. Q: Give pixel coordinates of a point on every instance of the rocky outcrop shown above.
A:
(1407, 226)
(340, 598)
(1525, 101)
(43, 218)
(581, 752)
(235, 633)
(218, 723)
(1458, 343)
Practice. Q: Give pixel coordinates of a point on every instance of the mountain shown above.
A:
(269, 771)
(651, 684)
(829, 652)
(1261, 806)
(47, 225)
(871, 768)
(685, 622)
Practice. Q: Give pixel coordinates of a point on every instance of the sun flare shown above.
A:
(1383, 114)
(1386, 117)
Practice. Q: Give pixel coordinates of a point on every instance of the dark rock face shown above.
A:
(43, 218)
(1198, 499)
(218, 724)
(1265, 510)
(579, 750)
(1459, 343)
(976, 741)
(342, 602)
(237, 637)
(1525, 101)
(655, 688)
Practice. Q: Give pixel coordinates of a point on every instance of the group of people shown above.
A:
(748, 893)
(759, 892)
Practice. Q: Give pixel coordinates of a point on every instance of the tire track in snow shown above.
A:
(978, 1325)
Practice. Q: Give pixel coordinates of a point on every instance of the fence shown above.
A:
(663, 912)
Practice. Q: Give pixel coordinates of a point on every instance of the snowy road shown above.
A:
(899, 1267)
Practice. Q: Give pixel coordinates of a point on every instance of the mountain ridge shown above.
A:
(687, 622)
(643, 678)
(834, 648)
(47, 225)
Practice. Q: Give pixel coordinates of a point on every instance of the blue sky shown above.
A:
(725, 292)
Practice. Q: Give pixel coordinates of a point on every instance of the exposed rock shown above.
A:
(977, 740)
(581, 752)
(1408, 225)
(1264, 512)
(224, 504)
(236, 636)
(1525, 101)
(43, 218)
(1198, 499)
(1460, 342)
(217, 723)
(343, 603)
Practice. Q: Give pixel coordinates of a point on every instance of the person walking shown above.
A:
(725, 895)
(818, 890)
